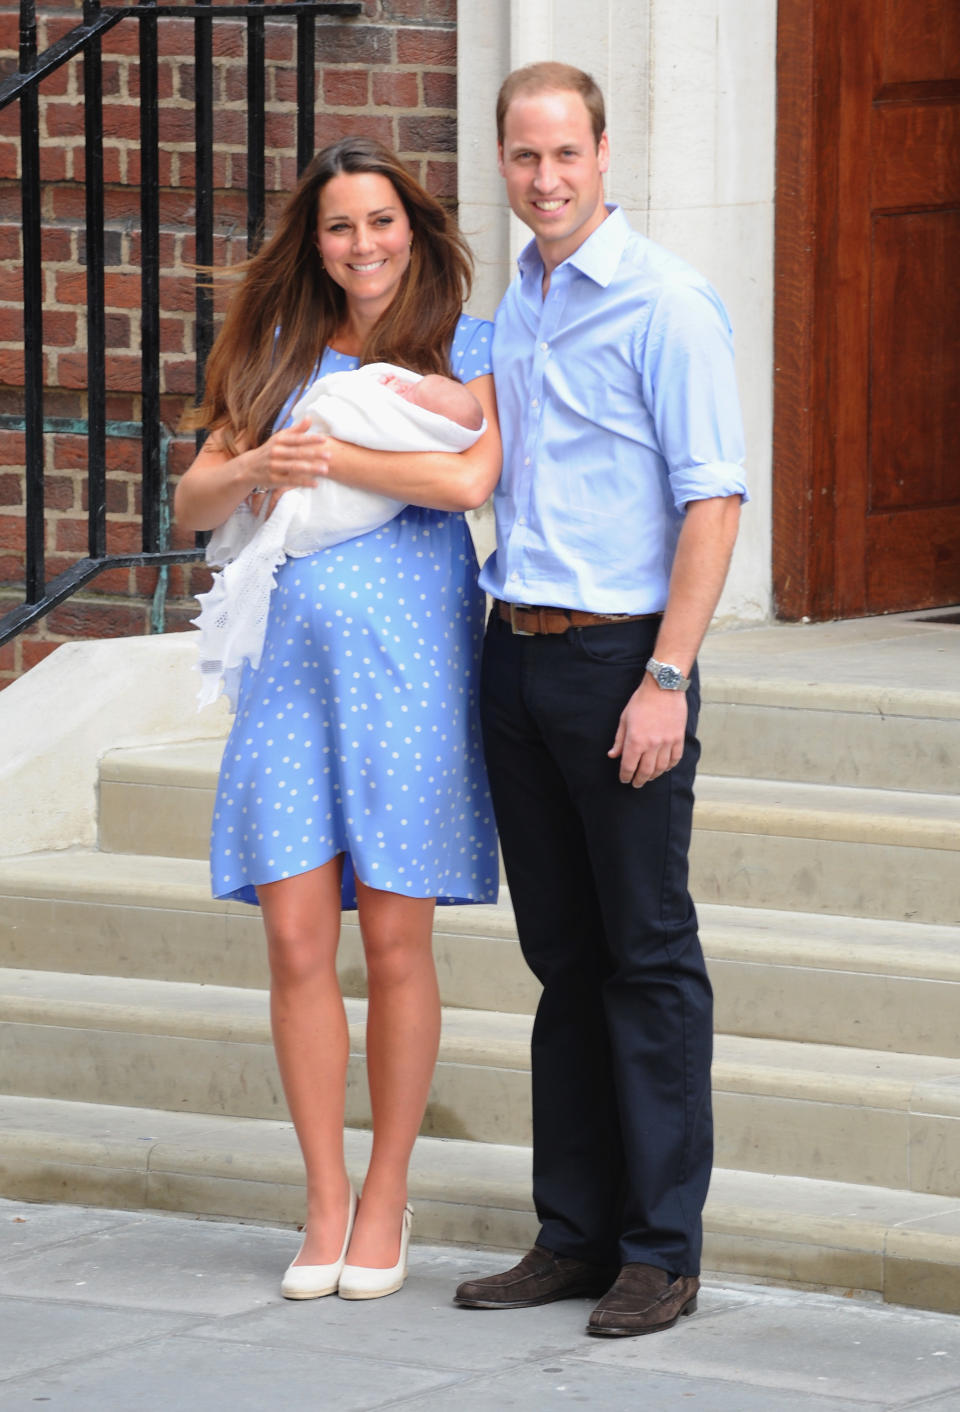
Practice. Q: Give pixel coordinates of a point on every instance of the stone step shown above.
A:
(823, 849)
(828, 813)
(834, 980)
(159, 799)
(864, 1240)
(207, 1049)
(822, 735)
(757, 843)
(153, 918)
(838, 1114)
(868, 703)
(808, 1110)
(783, 975)
(851, 734)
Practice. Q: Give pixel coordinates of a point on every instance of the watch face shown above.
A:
(668, 677)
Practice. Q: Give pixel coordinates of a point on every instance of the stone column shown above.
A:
(691, 92)
(609, 40)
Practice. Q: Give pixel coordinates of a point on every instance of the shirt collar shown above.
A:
(598, 256)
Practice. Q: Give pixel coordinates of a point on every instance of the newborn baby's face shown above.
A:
(440, 395)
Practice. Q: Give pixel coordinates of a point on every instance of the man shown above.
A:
(616, 517)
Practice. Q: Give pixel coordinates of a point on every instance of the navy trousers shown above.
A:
(597, 870)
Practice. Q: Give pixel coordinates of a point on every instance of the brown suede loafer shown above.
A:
(540, 1278)
(643, 1300)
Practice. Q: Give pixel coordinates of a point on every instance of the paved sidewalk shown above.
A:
(112, 1311)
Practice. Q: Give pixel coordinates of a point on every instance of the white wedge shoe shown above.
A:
(359, 1282)
(312, 1281)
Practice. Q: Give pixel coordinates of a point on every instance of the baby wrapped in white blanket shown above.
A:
(379, 406)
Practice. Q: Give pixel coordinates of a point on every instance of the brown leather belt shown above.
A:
(528, 620)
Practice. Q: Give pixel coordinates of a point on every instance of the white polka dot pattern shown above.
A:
(359, 733)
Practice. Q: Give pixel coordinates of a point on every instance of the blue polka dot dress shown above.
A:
(358, 733)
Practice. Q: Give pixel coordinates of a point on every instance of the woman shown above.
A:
(354, 768)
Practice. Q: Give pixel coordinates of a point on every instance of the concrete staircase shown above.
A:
(135, 1059)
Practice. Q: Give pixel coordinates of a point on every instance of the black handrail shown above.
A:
(40, 596)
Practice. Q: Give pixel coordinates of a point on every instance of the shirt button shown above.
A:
(544, 346)
(526, 460)
(514, 576)
(521, 519)
(535, 402)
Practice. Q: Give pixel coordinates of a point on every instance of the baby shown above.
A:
(444, 396)
(379, 406)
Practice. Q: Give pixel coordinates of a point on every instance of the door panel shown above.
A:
(916, 154)
(915, 362)
(913, 561)
(867, 484)
(920, 40)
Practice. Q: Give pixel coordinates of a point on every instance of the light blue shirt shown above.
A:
(618, 405)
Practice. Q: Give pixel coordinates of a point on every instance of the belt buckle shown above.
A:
(518, 632)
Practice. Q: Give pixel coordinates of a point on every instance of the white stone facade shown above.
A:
(690, 87)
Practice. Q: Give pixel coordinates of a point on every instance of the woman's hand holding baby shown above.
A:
(295, 456)
(218, 482)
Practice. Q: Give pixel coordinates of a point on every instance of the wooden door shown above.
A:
(867, 393)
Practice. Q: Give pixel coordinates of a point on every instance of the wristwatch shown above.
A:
(668, 678)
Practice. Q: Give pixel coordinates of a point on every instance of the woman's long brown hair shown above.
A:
(287, 308)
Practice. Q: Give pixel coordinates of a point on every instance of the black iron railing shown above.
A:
(40, 595)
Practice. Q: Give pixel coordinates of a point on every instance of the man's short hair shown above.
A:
(550, 77)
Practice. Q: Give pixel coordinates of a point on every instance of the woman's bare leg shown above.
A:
(403, 1034)
(302, 919)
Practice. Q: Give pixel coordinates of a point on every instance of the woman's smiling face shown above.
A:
(363, 235)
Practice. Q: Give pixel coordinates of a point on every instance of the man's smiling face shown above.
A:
(553, 168)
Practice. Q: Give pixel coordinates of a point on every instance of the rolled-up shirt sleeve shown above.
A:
(685, 359)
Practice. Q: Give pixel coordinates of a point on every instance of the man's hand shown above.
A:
(650, 736)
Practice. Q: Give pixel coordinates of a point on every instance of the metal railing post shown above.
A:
(256, 131)
(306, 89)
(153, 489)
(203, 179)
(96, 321)
(32, 309)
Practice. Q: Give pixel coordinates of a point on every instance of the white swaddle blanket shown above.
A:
(352, 406)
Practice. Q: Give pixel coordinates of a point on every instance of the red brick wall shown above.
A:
(389, 73)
